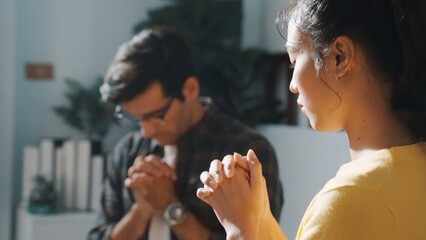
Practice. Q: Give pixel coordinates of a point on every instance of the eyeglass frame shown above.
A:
(120, 115)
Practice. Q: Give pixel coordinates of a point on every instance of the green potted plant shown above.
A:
(43, 197)
(85, 112)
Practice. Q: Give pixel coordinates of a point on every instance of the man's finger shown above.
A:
(130, 171)
(138, 180)
(161, 166)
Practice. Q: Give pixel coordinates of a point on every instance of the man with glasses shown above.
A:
(153, 172)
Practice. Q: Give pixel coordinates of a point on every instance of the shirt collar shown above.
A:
(210, 110)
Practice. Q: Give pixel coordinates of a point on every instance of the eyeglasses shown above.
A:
(156, 116)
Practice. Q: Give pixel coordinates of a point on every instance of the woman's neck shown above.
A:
(378, 131)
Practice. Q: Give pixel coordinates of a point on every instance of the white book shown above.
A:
(96, 182)
(47, 147)
(46, 153)
(70, 148)
(83, 170)
(60, 176)
(30, 165)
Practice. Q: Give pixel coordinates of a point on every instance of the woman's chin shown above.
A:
(323, 128)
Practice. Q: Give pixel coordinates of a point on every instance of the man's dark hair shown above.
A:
(159, 54)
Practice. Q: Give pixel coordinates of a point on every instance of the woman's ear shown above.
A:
(191, 88)
(343, 50)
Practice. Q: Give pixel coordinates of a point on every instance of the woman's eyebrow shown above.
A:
(290, 47)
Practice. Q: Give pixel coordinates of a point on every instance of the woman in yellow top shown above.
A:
(359, 66)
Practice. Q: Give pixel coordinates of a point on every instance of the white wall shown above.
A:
(259, 28)
(252, 23)
(307, 160)
(271, 40)
(7, 78)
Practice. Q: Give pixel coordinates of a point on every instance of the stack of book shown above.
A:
(76, 166)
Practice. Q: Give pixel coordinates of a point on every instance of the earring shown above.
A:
(350, 67)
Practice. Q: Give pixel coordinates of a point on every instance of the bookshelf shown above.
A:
(64, 226)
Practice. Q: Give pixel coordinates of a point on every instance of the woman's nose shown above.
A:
(292, 87)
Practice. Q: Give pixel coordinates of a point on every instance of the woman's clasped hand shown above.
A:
(236, 190)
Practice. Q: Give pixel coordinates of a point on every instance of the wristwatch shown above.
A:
(175, 213)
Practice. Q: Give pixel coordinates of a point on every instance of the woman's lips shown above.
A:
(302, 108)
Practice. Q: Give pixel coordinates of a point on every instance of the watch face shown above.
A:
(175, 213)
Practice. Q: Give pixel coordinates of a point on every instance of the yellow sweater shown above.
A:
(381, 196)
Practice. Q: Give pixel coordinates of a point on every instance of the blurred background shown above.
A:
(53, 55)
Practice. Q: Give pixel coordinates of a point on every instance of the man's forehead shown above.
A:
(152, 97)
(154, 90)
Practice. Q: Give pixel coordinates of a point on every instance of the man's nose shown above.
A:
(147, 129)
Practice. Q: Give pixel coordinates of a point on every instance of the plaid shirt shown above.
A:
(215, 136)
